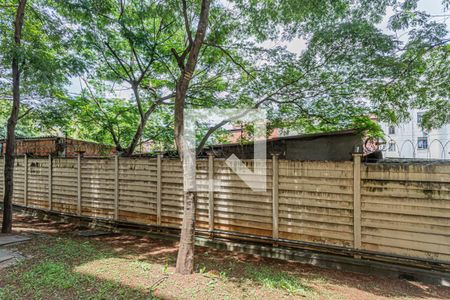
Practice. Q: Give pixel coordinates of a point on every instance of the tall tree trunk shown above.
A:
(185, 259)
(12, 121)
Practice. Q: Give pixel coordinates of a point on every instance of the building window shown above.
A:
(419, 118)
(392, 147)
(391, 129)
(422, 143)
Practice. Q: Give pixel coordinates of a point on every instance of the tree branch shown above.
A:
(134, 87)
(186, 22)
(231, 57)
(25, 113)
(144, 119)
(122, 64)
(178, 58)
(226, 121)
(111, 67)
(105, 115)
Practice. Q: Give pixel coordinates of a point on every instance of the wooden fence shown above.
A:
(401, 210)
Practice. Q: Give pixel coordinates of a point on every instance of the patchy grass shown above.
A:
(61, 265)
(51, 273)
(273, 279)
(67, 249)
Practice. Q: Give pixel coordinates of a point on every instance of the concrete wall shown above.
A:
(394, 209)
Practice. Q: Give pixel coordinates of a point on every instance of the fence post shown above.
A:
(116, 187)
(3, 176)
(79, 184)
(211, 192)
(275, 231)
(50, 181)
(158, 189)
(357, 200)
(25, 181)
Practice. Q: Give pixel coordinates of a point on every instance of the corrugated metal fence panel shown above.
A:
(406, 210)
(316, 202)
(64, 179)
(171, 192)
(137, 190)
(97, 187)
(236, 206)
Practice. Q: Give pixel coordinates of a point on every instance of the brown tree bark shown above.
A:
(185, 259)
(144, 117)
(12, 121)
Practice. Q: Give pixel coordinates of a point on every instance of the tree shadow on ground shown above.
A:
(140, 266)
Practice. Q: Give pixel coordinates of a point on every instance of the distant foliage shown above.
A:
(125, 53)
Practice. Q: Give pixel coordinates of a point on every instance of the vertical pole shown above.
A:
(158, 189)
(357, 200)
(275, 196)
(211, 192)
(25, 181)
(79, 184)
(50, 188)
(3, 175)
(116, 187)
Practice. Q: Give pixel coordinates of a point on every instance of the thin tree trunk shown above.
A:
(137, 136)
(140, 129)
(185, 259)
(12, 122)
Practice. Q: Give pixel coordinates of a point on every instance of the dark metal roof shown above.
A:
(295, 137)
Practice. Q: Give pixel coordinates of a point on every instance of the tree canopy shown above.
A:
(127, 56)
(45, 65)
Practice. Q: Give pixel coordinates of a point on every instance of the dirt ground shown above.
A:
(62, 265)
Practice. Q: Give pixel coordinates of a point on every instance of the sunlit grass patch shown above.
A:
(274, 279)
(142, 265)
(52, 274)
(134, 273)
(57, 279)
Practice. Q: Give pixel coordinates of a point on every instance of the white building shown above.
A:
(410, 140)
